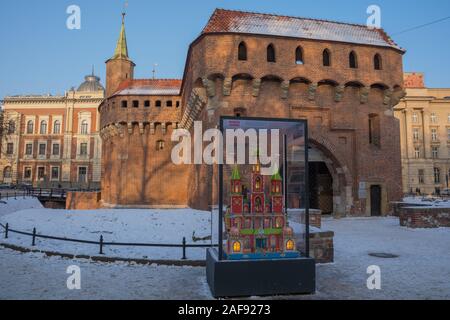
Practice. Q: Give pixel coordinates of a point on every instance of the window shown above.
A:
(82, 174)
(353, 61)
(30, 127)
(7, 173)
(55, 173)
(435, 152)
(271, 53)
(27, 173)
(41, 173)
(421, 176)
(448, 134)
(242, 52)
(326, 57)
(160, 145)
(437, 175)
(434, 136)
(415, 117)
(178, 104)
(416, 134)
(448, 118)
(29, 149)
(147, 103)
(290, 246)
(417, 153)
(83, 149)
(43, 128)
(237, 246)
(10, 148)
(374, 130)
(84, 127)
(433, 118)
(55, 149)
(124, 104)
(377, 62)
(57, 127)
(158, 104)
(279, 223)
(299, 56)
(42, 149)
(169, 103)
(11, 127)
(135, 104)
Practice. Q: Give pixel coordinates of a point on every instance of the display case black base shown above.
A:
(246, 278)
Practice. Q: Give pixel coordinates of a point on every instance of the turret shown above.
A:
(119, 68)
(237, 199)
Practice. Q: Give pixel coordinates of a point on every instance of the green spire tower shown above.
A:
(119, 68)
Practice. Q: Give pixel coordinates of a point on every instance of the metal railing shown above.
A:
(55, 194)
(102, 243)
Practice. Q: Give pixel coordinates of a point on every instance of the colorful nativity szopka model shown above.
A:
(256, 224)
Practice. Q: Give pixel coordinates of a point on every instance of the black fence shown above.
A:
(101, 243)
(55, 194)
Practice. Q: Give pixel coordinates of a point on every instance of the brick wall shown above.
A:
(321, 245)
(416, 217)
(83, 200)
(337, 101)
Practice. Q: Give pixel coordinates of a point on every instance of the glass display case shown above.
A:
(262, 216)
(263, 207)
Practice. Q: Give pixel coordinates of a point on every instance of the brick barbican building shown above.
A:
(343, 78)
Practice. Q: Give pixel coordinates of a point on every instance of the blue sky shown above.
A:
(40, 55)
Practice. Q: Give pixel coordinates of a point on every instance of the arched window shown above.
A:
(242, 52)
(271, 53)
(7, 173)
(237, 246)
(11, 127)
(326, 58)
(258, 183)
(377, 63)
(43, 128)
(84, 127)
(279, 223)
(299, 56)
(57, 127)
(353, 61)
(290, 245)
(30, 127)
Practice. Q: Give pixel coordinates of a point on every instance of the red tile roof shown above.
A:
(414, 80)
(156, 87)
(228, 21)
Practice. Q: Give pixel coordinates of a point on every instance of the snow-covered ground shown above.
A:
(120, 226)
(12, 205)
(431, 202)
(34, 276)
(422, 270)
(150, 226)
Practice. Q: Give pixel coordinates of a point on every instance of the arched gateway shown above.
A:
(328, 181)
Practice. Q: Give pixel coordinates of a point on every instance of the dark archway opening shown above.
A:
(375, 201)
(320, 187)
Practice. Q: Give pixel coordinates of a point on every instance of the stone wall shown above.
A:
(419, 217)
